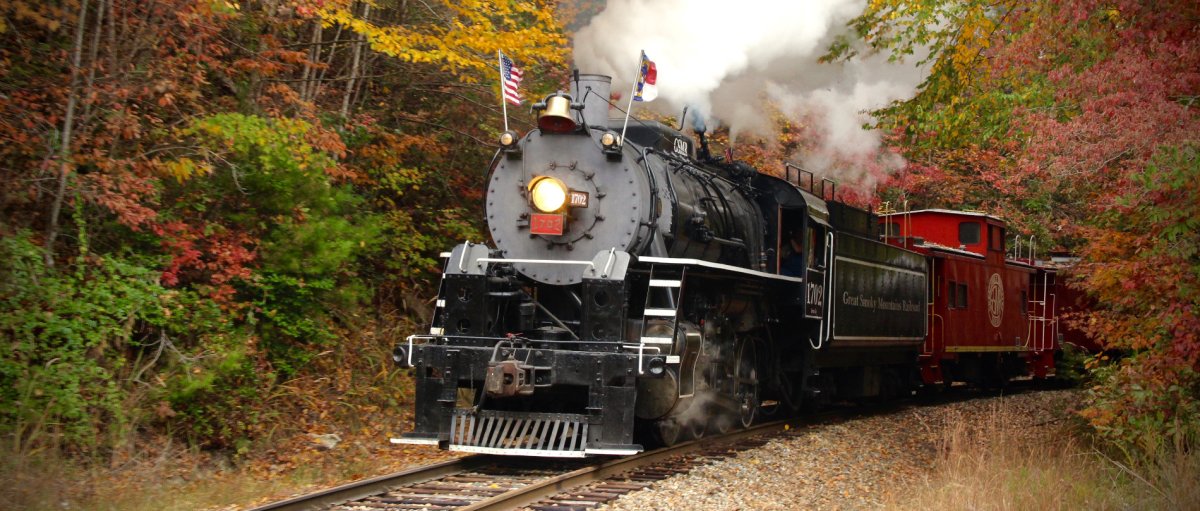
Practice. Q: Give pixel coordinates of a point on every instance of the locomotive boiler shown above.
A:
(635, 289)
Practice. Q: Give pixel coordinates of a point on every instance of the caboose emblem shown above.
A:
(995, 296)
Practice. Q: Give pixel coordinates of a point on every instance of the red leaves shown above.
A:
(206, 255)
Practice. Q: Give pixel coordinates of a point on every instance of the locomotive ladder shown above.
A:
(662, 306)
(439, 309)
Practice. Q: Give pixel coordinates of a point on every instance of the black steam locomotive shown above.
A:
(639, 289)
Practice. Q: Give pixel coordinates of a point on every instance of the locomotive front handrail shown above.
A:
(536, 341)
(612, 255)
(533, 261)
(410, 338)
(641, 347)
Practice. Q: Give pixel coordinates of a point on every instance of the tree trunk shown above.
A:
(92, 60)
(354, 65)
(314, 53)
(64, 150)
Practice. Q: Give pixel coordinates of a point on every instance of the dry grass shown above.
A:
(172, 478)
(999, 464)
(354, 392)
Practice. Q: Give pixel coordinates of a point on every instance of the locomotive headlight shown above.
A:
(548, 194)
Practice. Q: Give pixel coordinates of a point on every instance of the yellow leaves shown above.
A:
(185, 168)
(462, 38)
(974, 36)
(44, 15)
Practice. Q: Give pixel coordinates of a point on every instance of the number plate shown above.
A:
(542, 223)
(576, 199)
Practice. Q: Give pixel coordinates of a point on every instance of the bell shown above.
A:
(556, 117)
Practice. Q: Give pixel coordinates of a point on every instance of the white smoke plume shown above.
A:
(722, 59)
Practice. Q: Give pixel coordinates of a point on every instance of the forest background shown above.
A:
(217, 217)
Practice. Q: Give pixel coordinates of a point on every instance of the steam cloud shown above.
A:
(724, 59)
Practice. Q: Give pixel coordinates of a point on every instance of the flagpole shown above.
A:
(503, 102)
(632, 91)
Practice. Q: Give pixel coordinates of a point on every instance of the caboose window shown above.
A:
(968, 233)
(996, 238)
(958, 295)
(891, 230)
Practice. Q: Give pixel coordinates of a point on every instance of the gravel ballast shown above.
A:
(859, 463)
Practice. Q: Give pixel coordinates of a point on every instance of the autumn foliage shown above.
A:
(200, 198)
(1077, 122)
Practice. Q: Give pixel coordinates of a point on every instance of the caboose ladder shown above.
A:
(1042, 330)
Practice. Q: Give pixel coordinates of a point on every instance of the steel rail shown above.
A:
(376, 485)
(527, 495)
(602, 469)
(511, 499)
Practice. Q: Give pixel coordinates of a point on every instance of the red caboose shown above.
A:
(991, 317)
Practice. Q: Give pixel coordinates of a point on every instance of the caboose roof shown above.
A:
(950, 212)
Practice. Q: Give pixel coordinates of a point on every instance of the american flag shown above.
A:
(511, 76)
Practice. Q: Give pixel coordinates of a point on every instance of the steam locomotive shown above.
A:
(639, 290)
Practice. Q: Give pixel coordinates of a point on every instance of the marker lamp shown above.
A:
(508, 139)
(609, 140)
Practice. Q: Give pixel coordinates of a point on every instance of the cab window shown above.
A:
(995, 238)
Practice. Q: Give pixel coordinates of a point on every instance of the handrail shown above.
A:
(825, 329)
(533, 261)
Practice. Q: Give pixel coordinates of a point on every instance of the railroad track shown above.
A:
(485, 482)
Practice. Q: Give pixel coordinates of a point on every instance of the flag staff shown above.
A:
(503, 101)
(632, 91)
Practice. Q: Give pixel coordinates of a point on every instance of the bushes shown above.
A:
(56, 377)
(269, 231)
(94, 345)
(254, 261)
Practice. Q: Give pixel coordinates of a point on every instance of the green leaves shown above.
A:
(66, 375)
(307, 233)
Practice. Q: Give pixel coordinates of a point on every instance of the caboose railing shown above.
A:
(1042, 329)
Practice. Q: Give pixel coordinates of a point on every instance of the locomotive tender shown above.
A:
(639, 288)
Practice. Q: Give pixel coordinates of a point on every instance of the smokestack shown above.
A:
(592, 91)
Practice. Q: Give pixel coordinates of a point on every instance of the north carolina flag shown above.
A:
(647, 78)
